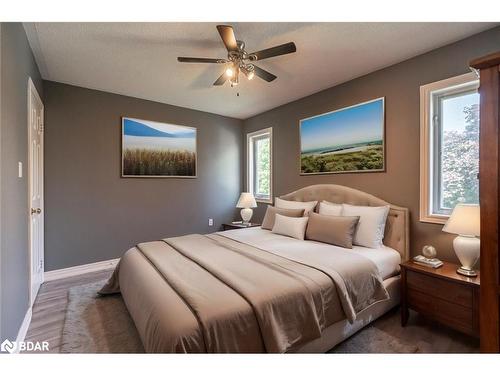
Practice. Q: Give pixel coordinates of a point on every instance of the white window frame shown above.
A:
(427, 169)
(250, 163)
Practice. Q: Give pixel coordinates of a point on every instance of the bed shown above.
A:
(253, 291)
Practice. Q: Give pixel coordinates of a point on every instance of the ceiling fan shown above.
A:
(238, 60)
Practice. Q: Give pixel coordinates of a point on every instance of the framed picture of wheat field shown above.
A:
(156, 149)
(347, 140)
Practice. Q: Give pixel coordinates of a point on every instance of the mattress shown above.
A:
(385, 258)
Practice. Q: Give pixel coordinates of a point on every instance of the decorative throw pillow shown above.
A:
(335, 230)
(371, 226)
(271, 212)
(329, 208)
(290, 226)
(307, 206)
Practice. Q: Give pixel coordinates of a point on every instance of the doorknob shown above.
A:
(36, 211)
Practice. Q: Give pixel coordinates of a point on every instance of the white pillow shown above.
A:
(290, 226)
(329, 208)
(306, 206)
(371, 226)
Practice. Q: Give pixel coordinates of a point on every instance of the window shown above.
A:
(449, 146)
(259, 167)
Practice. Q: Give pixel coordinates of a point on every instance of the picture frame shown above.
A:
(152, 149)
(347, 140)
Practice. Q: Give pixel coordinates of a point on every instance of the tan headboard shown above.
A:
(397, 228)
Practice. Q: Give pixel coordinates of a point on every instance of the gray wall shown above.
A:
(400, 85)
(17, 65)
(91, 213)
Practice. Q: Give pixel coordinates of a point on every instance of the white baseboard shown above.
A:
(80, 270)
(23, 330)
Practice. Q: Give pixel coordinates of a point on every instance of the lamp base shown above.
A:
(246, 215)
(467, 250)
(466, 272)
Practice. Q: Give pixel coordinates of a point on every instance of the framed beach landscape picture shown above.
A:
(347, 140)
(156, 149)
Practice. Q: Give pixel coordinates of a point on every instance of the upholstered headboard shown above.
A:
(397, 228)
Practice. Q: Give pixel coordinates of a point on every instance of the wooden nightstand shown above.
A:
(229, 226)
(441, 294)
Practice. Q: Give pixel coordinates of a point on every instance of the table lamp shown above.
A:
(246, 203)
(464, 221)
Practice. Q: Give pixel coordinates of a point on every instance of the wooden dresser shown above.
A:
(442, 295)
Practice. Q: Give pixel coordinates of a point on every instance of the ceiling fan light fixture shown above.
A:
(248, 70)
(234, 81)
(229, 72)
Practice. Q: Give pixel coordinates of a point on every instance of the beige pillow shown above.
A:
(328, 208)
(307, 206)
(290, 226)
(271, 212)
(335, 230)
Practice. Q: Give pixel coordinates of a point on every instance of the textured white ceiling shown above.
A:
(139, 59)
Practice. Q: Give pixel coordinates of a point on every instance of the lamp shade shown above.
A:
(246, 201)
(464, 220)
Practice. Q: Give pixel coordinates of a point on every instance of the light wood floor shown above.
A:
(50, 307)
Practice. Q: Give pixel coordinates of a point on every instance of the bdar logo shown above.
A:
(8, 346)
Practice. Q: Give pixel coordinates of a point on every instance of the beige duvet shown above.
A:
(211, 293)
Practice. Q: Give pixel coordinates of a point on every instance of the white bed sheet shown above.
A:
(385, 258)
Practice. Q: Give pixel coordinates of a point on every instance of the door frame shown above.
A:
(32, 90)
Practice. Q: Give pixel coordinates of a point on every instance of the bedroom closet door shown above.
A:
(35, 176)
(489, 191)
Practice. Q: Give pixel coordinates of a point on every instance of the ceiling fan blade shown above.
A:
(227, 35)
(221, 80)
(201, 60)
(282, 49)
(264, 74)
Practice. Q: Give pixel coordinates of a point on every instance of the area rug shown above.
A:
(97, 324)
(372, 340)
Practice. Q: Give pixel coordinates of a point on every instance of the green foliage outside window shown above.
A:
(460, 161)
(263, 167)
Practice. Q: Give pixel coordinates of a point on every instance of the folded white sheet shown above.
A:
(385, 258)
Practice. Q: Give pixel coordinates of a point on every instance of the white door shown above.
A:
(35, 176)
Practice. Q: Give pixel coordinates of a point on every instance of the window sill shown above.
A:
(265, 201)
(434, 219)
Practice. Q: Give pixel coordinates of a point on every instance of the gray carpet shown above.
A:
(96, 324)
